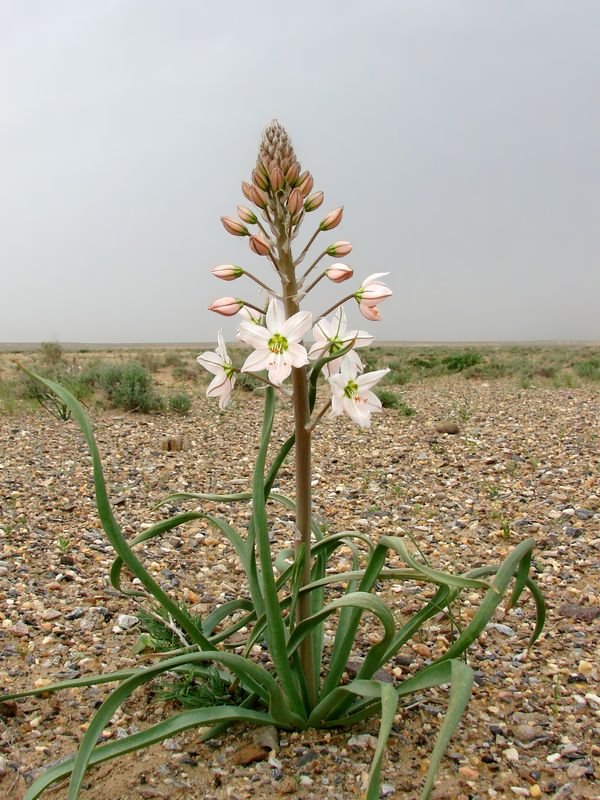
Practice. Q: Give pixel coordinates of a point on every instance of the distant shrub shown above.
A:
(129, 386)
(148, 360)
(180, 403)
(589, 369)
(457, 362)
(392, 400)
(422, 362)
(487, 370)
(397, 376)
(51, 353)
(173, 359)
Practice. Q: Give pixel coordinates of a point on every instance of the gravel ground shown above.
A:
(524, 463)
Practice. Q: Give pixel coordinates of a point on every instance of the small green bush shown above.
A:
(589, 369)
(392, 400)
(51, 353)
(457, 362)
(129, 386)
(180, 403)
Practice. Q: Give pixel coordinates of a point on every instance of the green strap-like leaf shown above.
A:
(157, 733)
(112, 529)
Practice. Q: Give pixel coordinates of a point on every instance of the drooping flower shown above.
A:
(227, 306)
(277, 345)
(351, 393)
(371, 292)
(219, 363)
(339, 272)
(331, 337)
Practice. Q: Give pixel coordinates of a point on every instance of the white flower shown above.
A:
(332, 336)
(220, 365)
(277, 345)
(371, 292)
(350, 394)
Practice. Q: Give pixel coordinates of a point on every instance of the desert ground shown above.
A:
(524, 462)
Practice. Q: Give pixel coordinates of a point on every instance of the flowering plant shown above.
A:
(291, 596)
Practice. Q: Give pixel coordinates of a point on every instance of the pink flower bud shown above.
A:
(306, 185)
(332, 220)
(247, 215)
(277, 179)
(227, 272)
(295, 201)
(227, 306)
(246, 187)
(314, 201)
(371, 292)
(338, 249)
(259, 180)
(257, 197)
(338, 273)
(292, 174)
(259, 246)
(234, 227)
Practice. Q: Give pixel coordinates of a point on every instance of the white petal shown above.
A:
(296, 326)
(358, 338)
(348, 370)
(374, 278)
(338, 384)
(221, 349)
(254, 335)
(369, 379)
(275, 316)
(211, 361)
(297, 355)
(318, 350)
(256, 361)
(280, 367)
(322, 331)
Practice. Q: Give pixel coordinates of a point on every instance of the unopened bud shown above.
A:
(338, 249)
(332, 220)
(257, 197)
(314, 201)
(227, 272)
(295, 201)
(292, 174)
(234, 227)
(260, 180)
(246, 187)
(259, 246)
(306, 185)
(338, 273)
(277, 179)
(227, 306)
(247, 215)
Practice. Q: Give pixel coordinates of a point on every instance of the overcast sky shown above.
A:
(462, 137)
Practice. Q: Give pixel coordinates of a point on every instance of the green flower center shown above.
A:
(335, 345)
(229, 370)
(350, 389)
(278, 343)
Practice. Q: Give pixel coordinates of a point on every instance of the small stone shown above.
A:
(363, 740)
(520, 791)
(267, 738)
(527, 733)
(468, 773)
(126, 621)
(386, 790)
(535, 791)
(51, 613)
(511, 754)
(584, 667)
(422, 649)
(447, 427)
(577, 770)
(553, 758)
(249, 754)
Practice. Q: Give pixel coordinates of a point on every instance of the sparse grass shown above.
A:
(180, 403)
(392, 400)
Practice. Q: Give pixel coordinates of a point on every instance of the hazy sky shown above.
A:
(462, 137)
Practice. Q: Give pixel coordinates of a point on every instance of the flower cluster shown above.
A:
(282, 195)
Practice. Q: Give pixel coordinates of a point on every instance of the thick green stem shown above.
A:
(303, 478)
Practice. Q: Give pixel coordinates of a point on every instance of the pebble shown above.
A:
(511, 754)
(126, 621)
